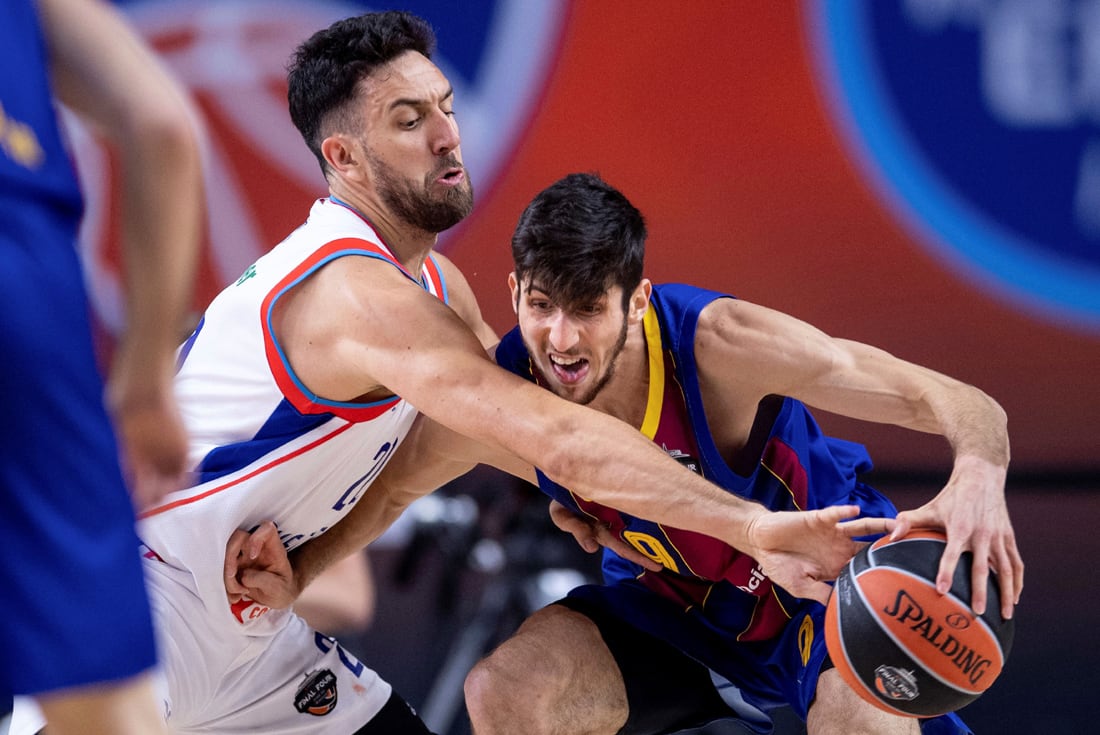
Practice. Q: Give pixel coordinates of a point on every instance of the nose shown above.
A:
(563, 334)
(445, 135)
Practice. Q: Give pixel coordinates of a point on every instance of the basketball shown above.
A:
(901, 645)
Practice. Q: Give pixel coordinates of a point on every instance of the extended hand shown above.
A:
(257, 567)
(590, 536)
(972, 511)
(801, 550)
(152, 438)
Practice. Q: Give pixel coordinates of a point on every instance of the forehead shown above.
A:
(408, 79)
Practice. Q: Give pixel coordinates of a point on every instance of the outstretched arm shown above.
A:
(431, 455)
(775, 353)
(358, 326)
(107, 75)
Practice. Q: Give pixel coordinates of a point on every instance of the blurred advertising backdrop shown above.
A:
(923, 175)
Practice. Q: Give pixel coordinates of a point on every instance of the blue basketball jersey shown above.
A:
(710, 600)
(38, 186)
(797, 468)
(73, 608)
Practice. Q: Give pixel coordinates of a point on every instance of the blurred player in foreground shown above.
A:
(75, 626)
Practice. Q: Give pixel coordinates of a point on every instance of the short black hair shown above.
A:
(579, 237)
(325, 70)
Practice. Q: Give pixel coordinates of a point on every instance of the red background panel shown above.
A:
(709, 118)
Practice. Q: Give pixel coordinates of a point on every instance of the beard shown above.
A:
(416, 205)
(590, 395)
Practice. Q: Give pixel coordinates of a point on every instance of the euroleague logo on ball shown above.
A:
(958, 621)
(978, 124)
(896, 683)
(260, 177)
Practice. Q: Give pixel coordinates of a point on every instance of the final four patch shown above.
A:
(317, 695)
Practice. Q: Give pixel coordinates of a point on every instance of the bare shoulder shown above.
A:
(735, 325)
(346, 289)
(458, 288)
(463, 300)
(345, 325)
(764, 348)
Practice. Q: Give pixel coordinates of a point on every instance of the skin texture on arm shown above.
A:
(436, 363)
(105, 74)
(746, 352)
(439, 366)
(464, 303)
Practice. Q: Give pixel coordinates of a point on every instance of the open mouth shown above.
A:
(452, 176)
(569, 370)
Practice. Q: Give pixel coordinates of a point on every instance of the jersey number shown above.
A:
(649, 546)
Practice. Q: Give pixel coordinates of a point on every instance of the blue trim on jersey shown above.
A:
(313, 397)
(285, 424)
(185, 348)
(828, 461)
(446, 295)
(420, 277)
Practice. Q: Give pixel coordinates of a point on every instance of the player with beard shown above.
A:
(724, 386)
(307, 373)
(687, 629)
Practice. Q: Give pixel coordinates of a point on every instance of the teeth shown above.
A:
(564, 361)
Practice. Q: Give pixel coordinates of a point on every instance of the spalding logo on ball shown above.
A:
(901, 645)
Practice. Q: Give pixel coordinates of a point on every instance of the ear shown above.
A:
(343, 156)
(639, 300)
(513, 285)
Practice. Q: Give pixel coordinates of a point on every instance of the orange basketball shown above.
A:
(902, 646)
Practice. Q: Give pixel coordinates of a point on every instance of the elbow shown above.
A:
(174, 134)
(165, 127)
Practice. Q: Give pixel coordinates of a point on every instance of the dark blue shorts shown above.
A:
(782, 671)
(73, 608)
(668, 688)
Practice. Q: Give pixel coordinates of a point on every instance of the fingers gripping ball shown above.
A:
(901, 645)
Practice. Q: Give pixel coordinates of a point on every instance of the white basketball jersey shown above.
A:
(262, 446)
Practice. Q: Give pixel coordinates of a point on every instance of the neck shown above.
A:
(410, 245)
(626, 395)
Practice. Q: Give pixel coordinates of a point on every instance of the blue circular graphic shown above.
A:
(979, 121)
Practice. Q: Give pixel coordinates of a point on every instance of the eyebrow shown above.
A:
(418, 102)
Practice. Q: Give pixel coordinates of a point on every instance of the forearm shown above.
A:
(425, 461)
(618, 467)
(162, 209)
(347, 537)
(975, 425)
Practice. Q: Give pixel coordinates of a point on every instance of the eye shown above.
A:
(409, 124)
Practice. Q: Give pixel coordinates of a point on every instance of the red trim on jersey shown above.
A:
(225, 486)
(783, 462)
(431, 269)
(288, 385)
